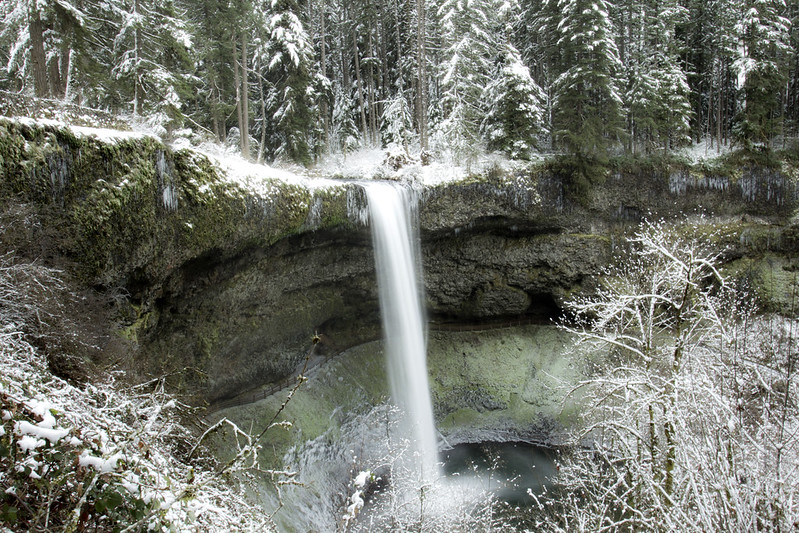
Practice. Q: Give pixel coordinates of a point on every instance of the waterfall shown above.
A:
(403, 323)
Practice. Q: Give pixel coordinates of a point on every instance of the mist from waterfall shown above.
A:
(392, 443)
(403, 318)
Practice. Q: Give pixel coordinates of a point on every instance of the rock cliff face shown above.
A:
(222, 282)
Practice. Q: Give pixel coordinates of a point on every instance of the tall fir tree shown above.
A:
(288, 59)
(791, 125)
(762, 67)
(468, 45)
(587, 107)
(657, 87)
(42, 40)
(710, 46)
(515, 118)
(153, 64)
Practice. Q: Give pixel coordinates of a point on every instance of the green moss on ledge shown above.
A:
(131, 210)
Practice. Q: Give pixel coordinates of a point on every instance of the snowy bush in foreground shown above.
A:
(99, 457)
(692, 416)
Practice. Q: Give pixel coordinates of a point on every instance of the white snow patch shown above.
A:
(704, 150)
(365, 164)
(104, 466)
(259, 179)
(438, 173)
(361, 479)
(43, 410)
(102, 134)
(42, 432)
(28, 443)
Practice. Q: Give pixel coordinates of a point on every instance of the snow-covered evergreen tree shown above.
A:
(152, 60)
(468, 47)
(761, 68)
(287, 57)
(657, 95)
(587, 106)
(515, 117)
(397, 122)
(344, 132)
(710, 46)
(41, 39)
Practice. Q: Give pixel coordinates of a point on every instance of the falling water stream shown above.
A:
(403, 319)
(420, 491)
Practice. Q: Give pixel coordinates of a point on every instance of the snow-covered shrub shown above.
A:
(99, 457)
(691, 418)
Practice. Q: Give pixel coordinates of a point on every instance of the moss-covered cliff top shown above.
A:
(128, 209)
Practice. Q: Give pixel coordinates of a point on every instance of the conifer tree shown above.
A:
(41, 39)
(791, 123)
(587, 108)
(397, 122)
(288, 58)
(762, 68)
(515, 117)
(152, 60)
(710, 47)
(467, 67)
(657, 94)
(344, 131)
(216, 22)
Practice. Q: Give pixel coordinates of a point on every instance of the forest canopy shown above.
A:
(302, 78)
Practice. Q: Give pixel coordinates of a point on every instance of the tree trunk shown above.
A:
(55, 78)
(66, 71)
(718, 118)
(245, 102)
(237, 83)
(371, 92)
(383, 82)
(359, 79)
(138, 89)
(345, 66)
(323, 65)
(400, 81)
(421, 96)
(38, 58)
(262, 146)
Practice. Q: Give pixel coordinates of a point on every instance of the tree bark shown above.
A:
(245, 102)
(345, 64)
(237, 83)
(38, 58)
(138, 90)
(55, 78)
(421, 96)
(359, 79)
(66, 71)
(323, 65)
(262, 145)
(371, 92)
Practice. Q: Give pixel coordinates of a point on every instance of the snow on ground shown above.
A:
(102, 134)
(364, 164)
(704, 150)
(374, 163)
(258, 178)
